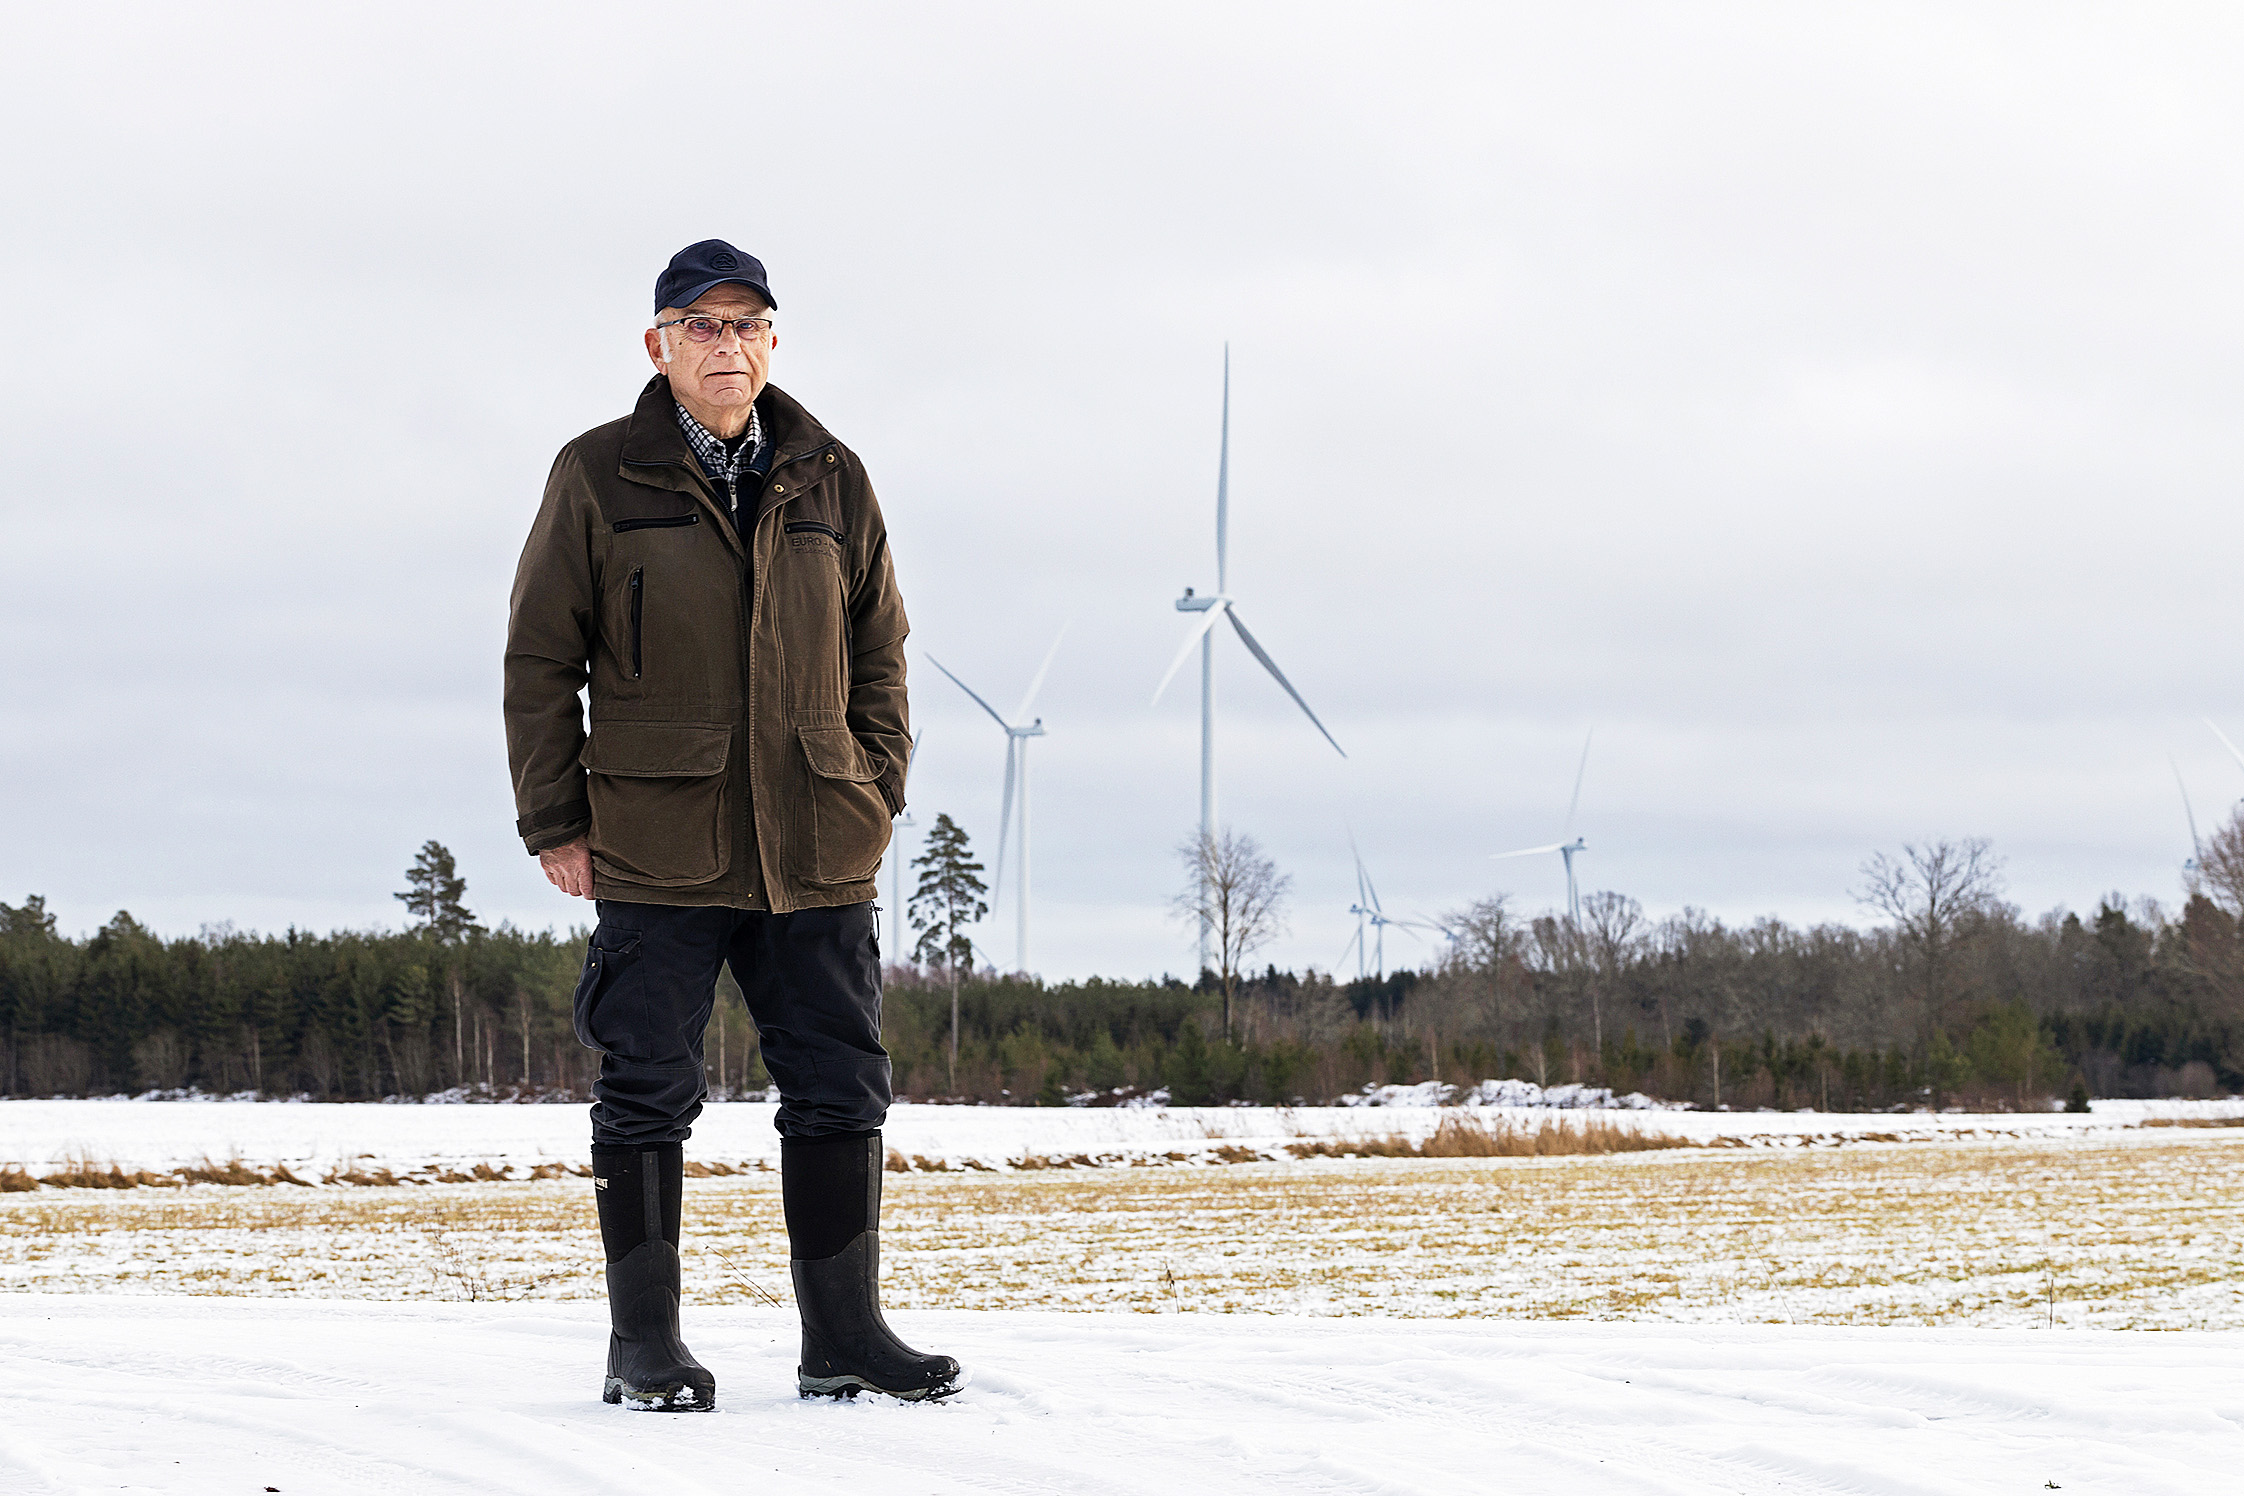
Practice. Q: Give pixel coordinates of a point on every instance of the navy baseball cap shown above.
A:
(698, 269)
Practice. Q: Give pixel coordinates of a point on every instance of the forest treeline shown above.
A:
(1958, 999)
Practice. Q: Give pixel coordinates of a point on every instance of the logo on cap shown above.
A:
(723, 261)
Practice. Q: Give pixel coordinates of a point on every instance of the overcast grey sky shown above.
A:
(1833, 406)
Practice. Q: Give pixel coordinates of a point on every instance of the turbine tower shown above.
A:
(1562, 846)
(2196, 848)
(895, 835)
(1016, 786)
(1212, 607)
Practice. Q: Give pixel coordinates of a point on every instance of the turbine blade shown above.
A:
(1004, 822)
(1223, 484)
(1353, 941)
(1037, 684)
(2225, 743)
(1575, 803)
(969, 690)
(1280, 677)
(1527, 851)
(2186, 810)
(1207, 621)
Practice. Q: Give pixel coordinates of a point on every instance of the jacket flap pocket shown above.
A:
(835, 753)
(656, 750)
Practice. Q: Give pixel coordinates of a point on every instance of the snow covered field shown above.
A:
(2141, 1230)
(1960, 1313)
(314, 1138)
(317, 1399)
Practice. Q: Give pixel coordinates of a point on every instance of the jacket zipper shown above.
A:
(638, 600)
(751, 597)
(744, 607)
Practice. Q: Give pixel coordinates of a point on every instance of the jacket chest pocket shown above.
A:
(661, 812)
(814, 534)
(670, 624)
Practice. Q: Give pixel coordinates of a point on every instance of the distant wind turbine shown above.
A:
(1368, 913)
(1016, 784)
(1562, 846)
(1218, 605)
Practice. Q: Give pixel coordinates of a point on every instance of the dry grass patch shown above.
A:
(2141, 1230)
(1475, 1137)
(84, 1174)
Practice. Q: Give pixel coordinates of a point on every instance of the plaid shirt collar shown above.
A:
(720, 464)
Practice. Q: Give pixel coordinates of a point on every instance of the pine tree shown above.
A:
(434, 895)
(948, 899)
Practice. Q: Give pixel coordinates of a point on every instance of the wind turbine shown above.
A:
(1563, 847)
(1367, 912)
(1214, 606)
(1016, 783)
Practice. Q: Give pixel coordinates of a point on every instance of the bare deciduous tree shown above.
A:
(1929, 892)
(2220, 867)
(1612, 927)
(1483, 977)
(1487, 935)
(1239, 895)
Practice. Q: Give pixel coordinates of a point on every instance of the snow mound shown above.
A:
(1522, 1093)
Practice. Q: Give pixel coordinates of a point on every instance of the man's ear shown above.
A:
(658, 348)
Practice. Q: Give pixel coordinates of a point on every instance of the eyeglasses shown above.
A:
(709, 329)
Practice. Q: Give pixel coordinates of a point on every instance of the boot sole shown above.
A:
(667, 1400)
(847, 1387)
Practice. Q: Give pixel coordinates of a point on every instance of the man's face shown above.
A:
(725, 374)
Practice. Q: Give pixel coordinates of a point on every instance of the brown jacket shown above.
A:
(749, 729)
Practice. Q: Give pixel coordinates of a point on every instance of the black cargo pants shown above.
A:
(812, 980)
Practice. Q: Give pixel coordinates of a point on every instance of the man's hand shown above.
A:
(569, 868)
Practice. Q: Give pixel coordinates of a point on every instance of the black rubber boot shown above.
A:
(831, 1189)
(640, 1191)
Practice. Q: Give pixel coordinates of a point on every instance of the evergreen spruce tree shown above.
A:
(948, 899)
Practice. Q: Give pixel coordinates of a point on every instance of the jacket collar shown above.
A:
(652, 440)
(655, 451)
(653, 443)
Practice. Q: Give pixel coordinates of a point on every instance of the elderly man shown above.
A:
(715, 568)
